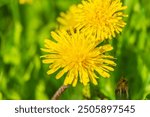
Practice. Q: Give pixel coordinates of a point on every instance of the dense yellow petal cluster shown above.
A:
(76, 56)
(68, 20)
(102, 18)
(25, 1)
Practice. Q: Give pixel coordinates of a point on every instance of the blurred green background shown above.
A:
(23, 28)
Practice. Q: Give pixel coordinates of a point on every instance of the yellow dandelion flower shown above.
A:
(76, 56)
(102, 18)
(25, 1)
(68, 20)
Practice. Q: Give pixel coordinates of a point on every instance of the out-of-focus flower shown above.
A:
(68, 20)
(25, 1)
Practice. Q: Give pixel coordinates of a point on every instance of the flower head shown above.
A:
(77, 57)
(102, 18)
(68, 20)
(25, 1)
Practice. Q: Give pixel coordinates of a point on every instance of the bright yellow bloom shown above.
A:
(102, 18)
(76, 56)
(68, 20)
(25, 1)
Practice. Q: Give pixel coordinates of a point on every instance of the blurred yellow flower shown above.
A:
(76, 56)
(25, 1)
(102, 18)
(68, 20)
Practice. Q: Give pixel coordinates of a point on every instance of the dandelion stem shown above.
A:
(59, 92)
